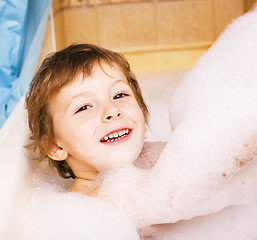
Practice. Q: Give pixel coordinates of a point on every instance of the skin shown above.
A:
(86, 115)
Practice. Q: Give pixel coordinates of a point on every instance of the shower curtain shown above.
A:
(22, 28)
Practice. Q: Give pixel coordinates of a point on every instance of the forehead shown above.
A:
(100, 71)
(113, 71)
(102, 76)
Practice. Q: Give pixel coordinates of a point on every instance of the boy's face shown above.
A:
(97, 121)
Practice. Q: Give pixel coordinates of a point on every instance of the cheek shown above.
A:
(70, 135)
(138, 115)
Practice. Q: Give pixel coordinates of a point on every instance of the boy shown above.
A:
(86, 113)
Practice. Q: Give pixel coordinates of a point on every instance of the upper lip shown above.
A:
(115, 133)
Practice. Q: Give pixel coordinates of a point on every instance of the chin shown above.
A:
(120, 157)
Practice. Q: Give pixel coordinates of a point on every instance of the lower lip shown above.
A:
(118, 141)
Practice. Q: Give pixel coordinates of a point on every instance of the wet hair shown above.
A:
(57, 71)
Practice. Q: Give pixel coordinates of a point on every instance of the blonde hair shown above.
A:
(56, 71)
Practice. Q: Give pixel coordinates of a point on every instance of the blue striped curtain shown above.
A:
(22, 28)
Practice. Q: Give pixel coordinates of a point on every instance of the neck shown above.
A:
(87, 184)
(86, 175)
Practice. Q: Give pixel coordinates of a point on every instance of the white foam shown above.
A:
(53, 213)
(39, 207)
(232, 223)
(210, 159)
(202, 171)
(157, 89)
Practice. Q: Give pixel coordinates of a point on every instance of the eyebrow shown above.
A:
(118, 81)
(73, 98)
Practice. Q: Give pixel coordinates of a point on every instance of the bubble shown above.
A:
(211, 151)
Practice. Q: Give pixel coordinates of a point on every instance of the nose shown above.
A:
(111, 112)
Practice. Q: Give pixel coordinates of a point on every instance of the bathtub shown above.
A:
(16, 173)
(19, 175)
(18, 170)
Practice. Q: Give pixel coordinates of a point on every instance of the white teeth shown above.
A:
(115, 136)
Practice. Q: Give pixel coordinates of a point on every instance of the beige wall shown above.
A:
(159, 34)
(135, 23)
(249, 4)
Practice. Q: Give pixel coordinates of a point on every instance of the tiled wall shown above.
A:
(249, 4)
(154, 35)
(135, 23)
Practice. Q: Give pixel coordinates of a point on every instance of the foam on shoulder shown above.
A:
(53, 213)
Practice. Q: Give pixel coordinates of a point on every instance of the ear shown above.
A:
(56, 152)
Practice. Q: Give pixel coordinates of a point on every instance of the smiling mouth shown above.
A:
(115, 136)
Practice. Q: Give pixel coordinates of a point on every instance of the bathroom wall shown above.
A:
(159, 34)
(249, 4)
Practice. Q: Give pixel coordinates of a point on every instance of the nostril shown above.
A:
(113, 116)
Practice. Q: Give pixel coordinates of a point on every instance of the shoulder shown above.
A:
(155, 145)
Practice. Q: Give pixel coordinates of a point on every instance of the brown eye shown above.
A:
(120, 95)
(83, 108)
